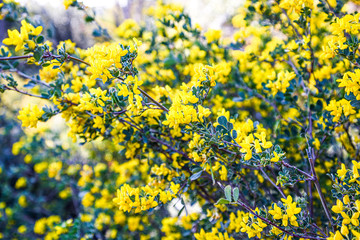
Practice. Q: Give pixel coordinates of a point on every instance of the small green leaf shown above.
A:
(234, 134)
(38, 54)
(39, 39)
(236, 194)
(196, 176)
(222, 201)
(227, 138)
(89, 19)
(222, 120)
(228, 192)
(230, 126)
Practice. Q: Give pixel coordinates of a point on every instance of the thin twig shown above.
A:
(25, 93)
(272, 183)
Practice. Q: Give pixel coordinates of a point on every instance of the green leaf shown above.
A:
(169, 61)
(89, 19)
(222, 120)
(38, 54)
(222, 201)
(97, 33)
(236, 194)
(182, 209)
(228, 192)
(220, 128)
(227, 138)
(196, 176)
(355, 104)
(234, 134)
(39, 39)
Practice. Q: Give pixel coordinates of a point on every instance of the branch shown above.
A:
(25, 93)
(289, 20)
(272, 183)
(50, 55)
(311, 156)
(271, 223)
(15, 57)
(24, 75)
(297, 169)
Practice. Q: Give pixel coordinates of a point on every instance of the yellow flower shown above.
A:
(212, 35)
(20, 183)
(19, 39)
(30, 116)
(22, 201)
(342, 172)
(339, 207)
(340, 108)
(54, 169)
(67, 3)
(276, 157)
(40, 226)
(22, 229)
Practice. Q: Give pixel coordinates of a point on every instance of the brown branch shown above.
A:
(272, 183)
(15, 57)
(25, 93)
(311, 157)
(78, 60)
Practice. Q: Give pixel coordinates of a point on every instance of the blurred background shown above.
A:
(70, 24)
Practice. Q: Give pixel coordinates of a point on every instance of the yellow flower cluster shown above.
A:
(54, 169)
(247, 223)
(348, 24)
(340, 108)
(349, 212)
(212, 35)
(281, 83)
(19, 39)
(21, 182)
(286, 214)
(104, 57)
(49, 73)
(296, 6)
(162, 170)
(182, 110)
(259, 143)
(143, 198)
(30, 116)
(43, 223)
(130, 89)
(213, 235)
(128, 29)
(351, 82)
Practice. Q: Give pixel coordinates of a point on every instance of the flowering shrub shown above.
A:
(181, 133)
